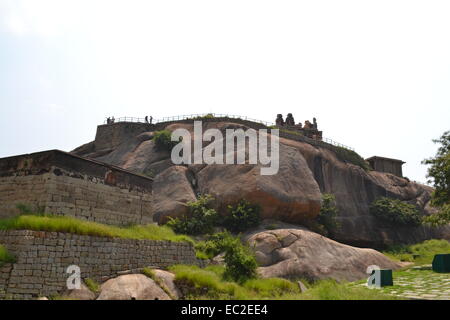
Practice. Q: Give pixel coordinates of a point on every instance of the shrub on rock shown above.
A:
(201, 219)
(163, 140)
(242, 216)
(240, 262)
(396, 211)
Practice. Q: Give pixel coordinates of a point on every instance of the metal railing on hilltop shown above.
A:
(216, 115)
(188, 116)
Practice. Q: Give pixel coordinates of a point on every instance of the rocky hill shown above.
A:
(293, 195)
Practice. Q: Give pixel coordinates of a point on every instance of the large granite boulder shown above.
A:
(172, 190)
(298, 252)
(132, 287)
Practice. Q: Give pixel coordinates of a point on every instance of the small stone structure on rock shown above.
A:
(309, 129)
(279, 120)
(388, 165)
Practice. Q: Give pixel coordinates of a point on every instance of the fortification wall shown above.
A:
(62, 184)
(42, 259)
(110, 136)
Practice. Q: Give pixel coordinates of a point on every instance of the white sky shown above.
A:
(376, 74)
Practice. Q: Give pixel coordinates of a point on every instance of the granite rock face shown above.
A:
(292, 195)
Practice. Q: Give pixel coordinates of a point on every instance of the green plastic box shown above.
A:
(382, 278)
(441, 263)
(386, 278)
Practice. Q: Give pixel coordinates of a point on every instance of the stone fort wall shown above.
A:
(42, 259)
(63, 184)
(109, 136)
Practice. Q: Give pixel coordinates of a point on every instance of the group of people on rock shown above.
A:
(146, 119)
(110, 120)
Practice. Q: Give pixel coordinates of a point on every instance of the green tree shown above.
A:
(439, 176)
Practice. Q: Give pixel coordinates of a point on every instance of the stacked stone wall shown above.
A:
(58, 183)
(42, 259)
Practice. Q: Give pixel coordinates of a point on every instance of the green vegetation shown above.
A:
(439, 175)
(332, 290)
(439, 171)
(215, 244)
(207, 116)
(240, 263)
(77, 226)
(209, 283)
(242, 217)
(151, 274)
(5, 256)
(163, 140)
(440, 218)
(92, 285)
(420, 253)
(297, 133)
(417, 283)
(200, 220)
(396, 211)
(149, 173)
(326, 220)
(351, 156)
(271, 226)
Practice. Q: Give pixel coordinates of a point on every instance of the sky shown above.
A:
(375, 74)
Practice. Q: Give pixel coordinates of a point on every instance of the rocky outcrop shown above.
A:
(172, 190)
(355, 189)
(293, 195)
(132, 287)
(298, 252)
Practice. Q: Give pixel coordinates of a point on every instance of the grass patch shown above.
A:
(351, 156)
(332, 290)
(152, 275)
(208, 283)
(92, 285)
(420, 253)
(413, 282)
(149, 273)
(297, 133)
(82, 227)
(5, 256)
